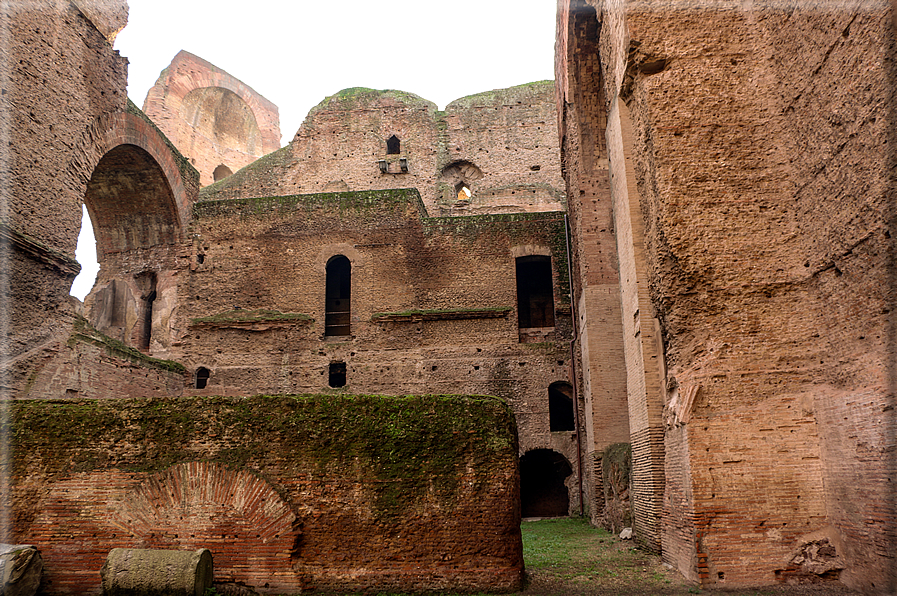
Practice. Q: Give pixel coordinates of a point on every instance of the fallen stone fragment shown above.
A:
(144, 572)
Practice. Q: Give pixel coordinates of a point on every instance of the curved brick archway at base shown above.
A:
(236, 515)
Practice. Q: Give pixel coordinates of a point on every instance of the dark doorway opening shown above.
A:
(147, 284)
(202, 377)
(560, 407)
(393, 145)
(535, 294)
(337, 307)
(337, 374)
(542, 489)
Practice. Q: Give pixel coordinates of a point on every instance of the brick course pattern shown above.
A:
(289, 493)
(752, 204)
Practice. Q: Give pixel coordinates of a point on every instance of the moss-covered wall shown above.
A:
(288, 492)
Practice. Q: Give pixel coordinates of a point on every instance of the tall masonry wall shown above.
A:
(289, 493)
(754, 142)
(220, 123)
(92, 456)
(501, 145)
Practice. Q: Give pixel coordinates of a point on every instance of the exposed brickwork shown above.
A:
(502, 144)
(289, 494)
(599, 328)
(213, 118)
(758, 167)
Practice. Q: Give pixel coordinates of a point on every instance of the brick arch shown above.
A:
(188, 72)
(123, 132)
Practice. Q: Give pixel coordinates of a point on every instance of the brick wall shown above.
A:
(289, 493)
(212, 117)
(759, 166)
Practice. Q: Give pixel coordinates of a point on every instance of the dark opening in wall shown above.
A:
(393, 145)
(202, 377)
(542, 489)
(337, 374)
(337, 307)
(535, 295)
(221, 172)
(463, 191)
(147, 284)
(560, 407)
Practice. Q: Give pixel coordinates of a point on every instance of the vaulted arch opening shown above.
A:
(543, 492)
(130, 203)
(131, 211)
(221, 172)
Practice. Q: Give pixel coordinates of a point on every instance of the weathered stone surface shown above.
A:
(152, 572)
(21, 567)
(217, 121)
(747, 153)
(502, 144)
(336, 493)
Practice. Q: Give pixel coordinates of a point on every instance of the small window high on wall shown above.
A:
(202, 377)
(535, 294)
(393, 145)
(337, 306)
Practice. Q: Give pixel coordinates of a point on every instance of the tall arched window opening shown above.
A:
(560, 407)
(146, 282)
(202, 377)
(393, 145)
(338, 292)
(535, 293)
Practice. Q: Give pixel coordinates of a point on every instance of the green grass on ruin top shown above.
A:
(500, 96)
(367, 201)
(260, 315)
(416, 446)
(84, 332)
(439, 311)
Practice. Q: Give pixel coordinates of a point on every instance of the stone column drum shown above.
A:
(145, 572)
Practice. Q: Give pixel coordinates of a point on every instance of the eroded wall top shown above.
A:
(494, 152)
(217, 121)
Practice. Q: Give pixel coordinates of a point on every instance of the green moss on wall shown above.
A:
(252, 316)
(85, 333)
(264, 170)
(503, 96)
(406, 449)
(368, 204)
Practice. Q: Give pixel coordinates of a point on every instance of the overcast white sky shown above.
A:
(297, 52)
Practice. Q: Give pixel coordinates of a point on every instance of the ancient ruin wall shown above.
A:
(290, 493)
(501, 144)
(766, 238)
(599, 345)
(220, 123)
(49, 102)
(504, 145)
(433, 302)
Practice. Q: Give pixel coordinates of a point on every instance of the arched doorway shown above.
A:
(542, 489)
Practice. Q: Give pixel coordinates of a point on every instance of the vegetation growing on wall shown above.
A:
(403, 450)
(84, 332)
